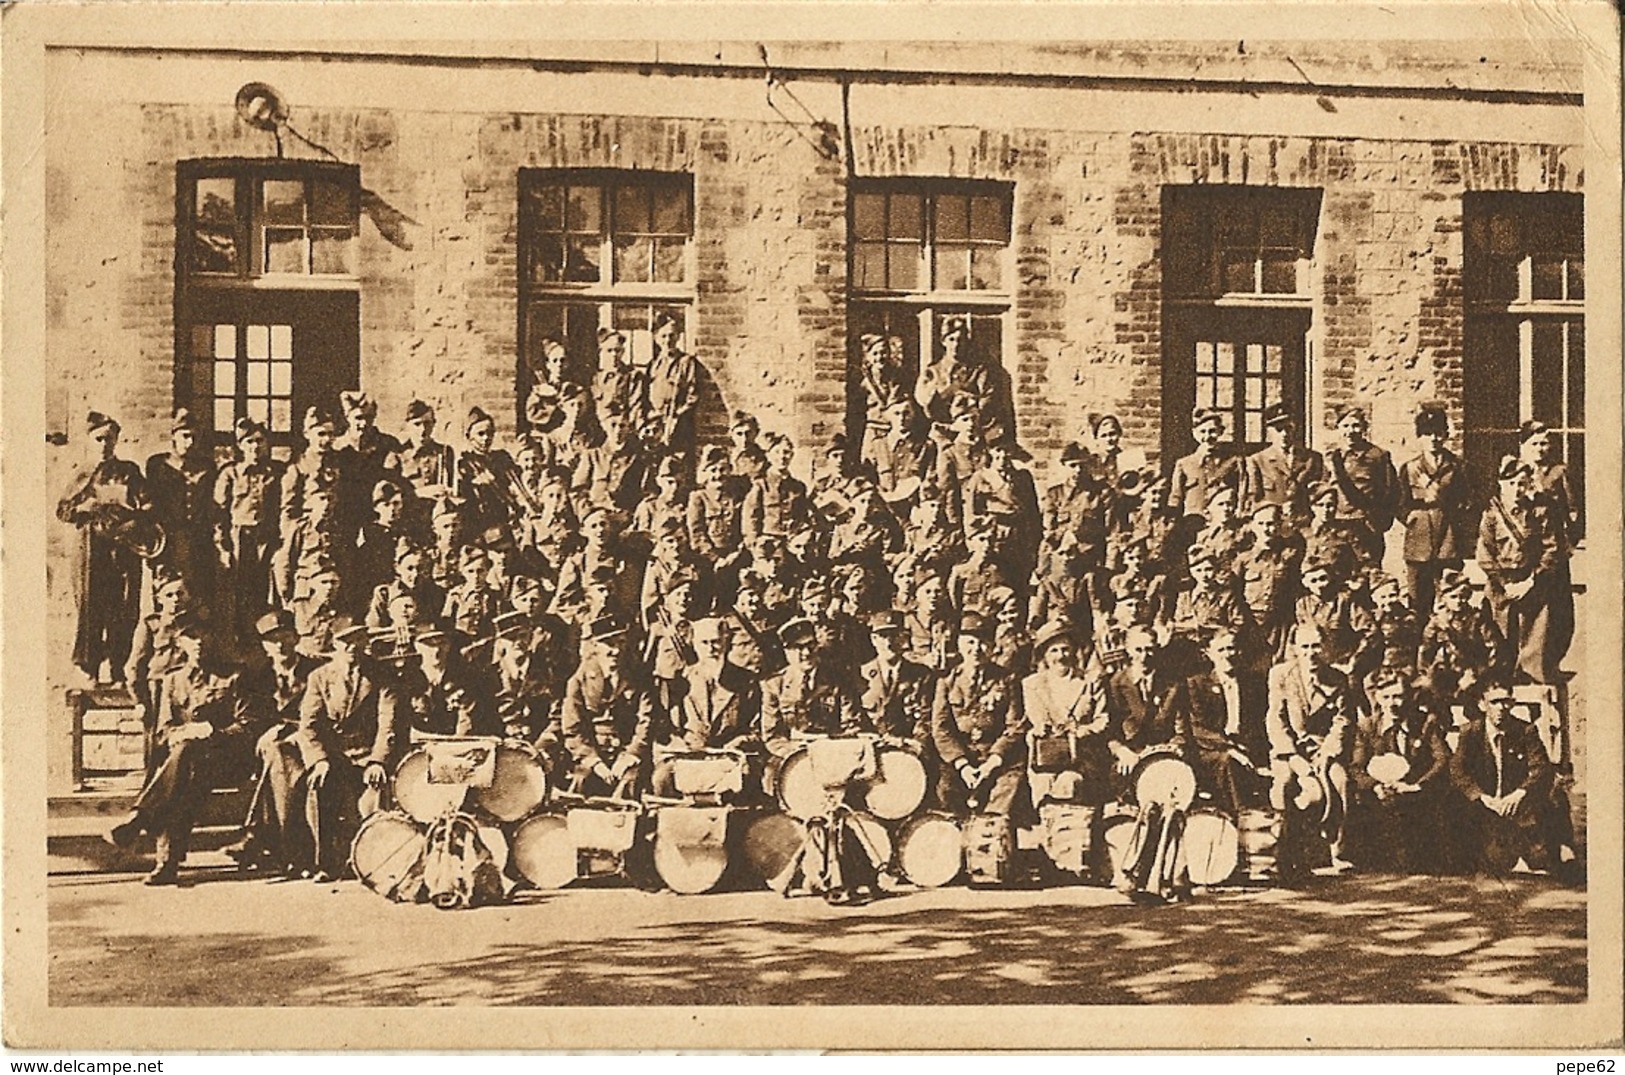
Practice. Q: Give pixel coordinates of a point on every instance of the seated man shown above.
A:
(350, 739)
(713, 705)
(443, 692)
(1226, 719)
(806, 699)
(1310, 723)
(608, 717)
(1142, 719)
(206, 741)
(1066, 710)
(897, 692)
(1399, 803)
(1516, 816)
(275, 837)
(979, 730)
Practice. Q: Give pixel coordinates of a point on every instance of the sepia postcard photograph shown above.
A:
(785, 526)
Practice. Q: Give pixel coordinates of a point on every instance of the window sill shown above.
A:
(1238, 300)
(275, 283)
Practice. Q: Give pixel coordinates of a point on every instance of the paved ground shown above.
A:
(223, 941)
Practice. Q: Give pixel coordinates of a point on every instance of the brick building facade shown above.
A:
(1132, 229)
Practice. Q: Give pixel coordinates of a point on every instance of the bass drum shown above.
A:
(1164, 779)
(799, 791)
(543, 852)
(930, 850)
(418, 797)
(898, 786)
(387, 855)
(518, 784)
(691, 847)
(1211, 847)
(771, 842)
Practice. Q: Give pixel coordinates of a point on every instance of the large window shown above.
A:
(923, 251)
(1523, 280)
(266, 293)
(601, 250)
(1236, 307)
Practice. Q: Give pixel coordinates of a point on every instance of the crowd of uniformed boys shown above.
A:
(611, 590)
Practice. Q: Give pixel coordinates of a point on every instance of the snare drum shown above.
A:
(771, 842)
(604, 832)
(543, 852)
(387, 855)
(1211, 847)
(990, 849)
(518, 784)
(1066, 832)
(930, 850)
(898, 787)
(691, 847)
(1259, 832)
(709, 776)
(1164, 779)
(425, 799)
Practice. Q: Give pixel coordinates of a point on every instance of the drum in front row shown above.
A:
(516, 788)
(569, 841)
(930, 849)
(387, 854)
(1211, 847)
(894, 790)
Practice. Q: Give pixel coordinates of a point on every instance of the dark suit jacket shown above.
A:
(732, 712)
(1424, 747)
(902, 707)
(1524, 762)
(1202, 696)
(604, 715)
(1139, 723)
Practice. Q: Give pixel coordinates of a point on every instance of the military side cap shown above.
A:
(274, 622)
(974, 623)
(798, 633)
(886, 621)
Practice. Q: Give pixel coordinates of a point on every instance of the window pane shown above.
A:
(203, 341)
(259, 378)
(225, 341)
(330, 203)
(1235, 226)
(332, 251)
(869, 265)
(1577, 375)
(953, 218)
(225, 378)
(907, 217)
(1280, 276)
(1255, 427)
(953, 267)
(1225, 396)
(584, 212)
(1547, 362)
(546, 203)
(282, 341)
(281, 415)
(1204, 356)
(282, 378)
(1500, 279)
(631, 210)
(259, 409)
(549, 254)
(632, 260)
(214, 246)
(1226, 354)
(670, 260)
(869, 216)
(284, 250)
(259, 341)
(986, 268)
(284, 201)
(671, 210)
(988, 220)
(225, 413)
(1545, 277)
(583, 263)
(1238, 271)
(903, 266)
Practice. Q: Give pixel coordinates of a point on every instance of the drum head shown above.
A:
(1212, 847)
(543, 853)
(691, 848)
(387, 850)
(770, 844)
(930, 851)
(1388, 768)
(799, 790)
(898, 787)
(873, 836)
(1166, 780)
(518, 785)
(421, 799)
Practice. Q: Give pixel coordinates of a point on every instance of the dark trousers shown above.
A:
(110, 605)
(190, 769)
(1422, 583)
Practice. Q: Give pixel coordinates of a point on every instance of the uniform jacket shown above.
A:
(1432, 503)
(605, 715)
(714, 522)
(819, 703)
(463, 702)
(976, 714)
(1367, 486)
(898, 700)
(1274, 476)
(775, 504)
(1194, 479)
(1515, 545)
